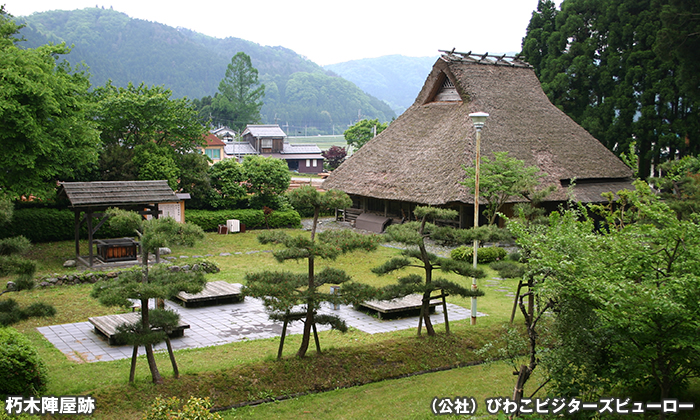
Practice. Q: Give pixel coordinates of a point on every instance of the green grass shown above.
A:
(405, 398)
(353, 367)
(323, 142)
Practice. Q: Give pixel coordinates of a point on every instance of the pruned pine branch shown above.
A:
(393, 264)
(462, 268)
(334, 321)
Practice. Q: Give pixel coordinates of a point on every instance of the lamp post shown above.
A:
(478, 119)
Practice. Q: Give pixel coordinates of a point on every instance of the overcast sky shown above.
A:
(329, 32)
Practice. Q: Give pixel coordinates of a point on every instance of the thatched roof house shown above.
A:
(418, 159)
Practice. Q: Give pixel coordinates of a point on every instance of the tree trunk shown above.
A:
(176, 371)
(284, 333)
(309, 321)
(135, 354)
(425, 304)
(145, 324)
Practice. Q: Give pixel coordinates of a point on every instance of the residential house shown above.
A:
(270, 141)
(419, 158)
(214, 148)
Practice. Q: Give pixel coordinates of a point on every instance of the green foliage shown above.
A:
(312, 202)
(240, 95)
(680, 185)
(413, 234)
(55, 225)
(508, 269)
(502, 179)
(155, 163)
(626, 299)
(22, 372)
(267, 179)
(46, 133)
(484, 255)
(449, 236)
(137, 115)
(172, 409)
(11, 312)
(227, 178)
(194, 178)
(614, 67)
(252, 219)
(192, 65)
(146, 133)
(362, 132)
(146, 283)
(281, 291)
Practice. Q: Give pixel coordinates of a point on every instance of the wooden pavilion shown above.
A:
(89, 200)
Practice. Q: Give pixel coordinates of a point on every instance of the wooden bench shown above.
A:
(107, 325)
(214, 293)
(405, 306)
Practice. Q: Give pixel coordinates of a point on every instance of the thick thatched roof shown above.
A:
(419, 157)
(103, 194)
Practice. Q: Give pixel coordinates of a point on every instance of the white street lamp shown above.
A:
(478, 119)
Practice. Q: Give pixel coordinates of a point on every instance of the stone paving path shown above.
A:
(217, 325)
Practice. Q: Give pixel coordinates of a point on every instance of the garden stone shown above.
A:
(164, 251)
(225, 254)
(11, 286)
(45, 284)
(69, 263)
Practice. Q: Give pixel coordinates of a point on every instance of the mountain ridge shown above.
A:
(117, 47)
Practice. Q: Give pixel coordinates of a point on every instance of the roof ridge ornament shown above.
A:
(497, 60)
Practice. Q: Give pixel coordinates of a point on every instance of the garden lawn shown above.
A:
(240, 372)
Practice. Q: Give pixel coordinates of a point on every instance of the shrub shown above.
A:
(21, 370)
(49, 224)
(485, 255)
(11, 312)
(210, 220)
(508, 269)
(279, 219)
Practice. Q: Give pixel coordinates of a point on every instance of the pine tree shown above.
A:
(281, 291)
(150, 283)
(414, 234)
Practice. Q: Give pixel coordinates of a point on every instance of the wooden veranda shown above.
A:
(89, 200)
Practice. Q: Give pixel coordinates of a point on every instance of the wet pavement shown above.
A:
(222, 324)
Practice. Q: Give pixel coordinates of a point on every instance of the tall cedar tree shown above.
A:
(597, 61)
(414, 234)
(147, 283)
(281, 291)
(240, 95)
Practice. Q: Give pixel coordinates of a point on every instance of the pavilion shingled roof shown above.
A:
(116, 193)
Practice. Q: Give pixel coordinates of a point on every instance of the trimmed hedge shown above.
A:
(252, 219)
(48, 224)
(21, 370)
(485, 255)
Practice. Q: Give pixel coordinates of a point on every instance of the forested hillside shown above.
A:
(396, 79)
(114, 46)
